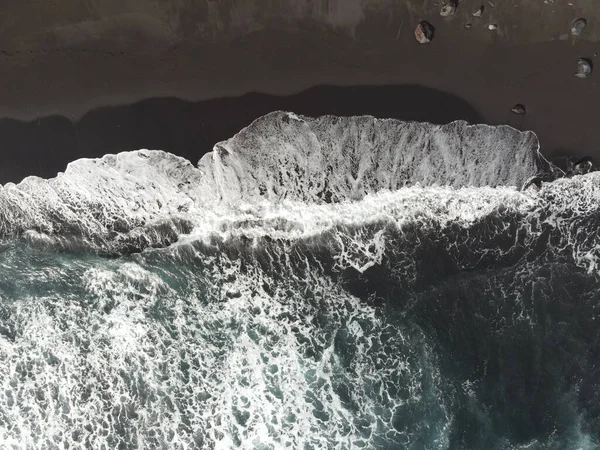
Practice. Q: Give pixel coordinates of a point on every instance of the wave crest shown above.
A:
(139, 199)
(332, 159)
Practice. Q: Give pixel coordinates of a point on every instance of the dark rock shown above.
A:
(584, 68)
(518, 109)
(576, 166)
(583, 166)
(449, 8)
(535, 182)
(424, 32)
(578, 26)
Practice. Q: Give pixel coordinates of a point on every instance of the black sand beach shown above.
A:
(315, 284)
(45, 146)
(83, 83)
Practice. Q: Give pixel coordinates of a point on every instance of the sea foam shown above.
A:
(147, 198)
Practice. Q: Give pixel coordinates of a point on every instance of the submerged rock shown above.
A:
(575, 166)
(518, 109)
(424, 32)
(584, 68)
(583, 166)
(449, 8)
(578, 26)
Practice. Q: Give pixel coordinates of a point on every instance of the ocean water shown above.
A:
(311, 283)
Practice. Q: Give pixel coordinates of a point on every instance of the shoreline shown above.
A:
(59, 106)
(43, 147)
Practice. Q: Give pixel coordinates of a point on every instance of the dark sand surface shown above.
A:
(83, 83)
(190, 129)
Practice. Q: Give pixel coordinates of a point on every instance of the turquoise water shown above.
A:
(226, 345)
(177, 348)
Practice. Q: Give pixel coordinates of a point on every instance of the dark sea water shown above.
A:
(327, 283)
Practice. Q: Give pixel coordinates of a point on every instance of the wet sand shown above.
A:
(44, 147)
(102, 95)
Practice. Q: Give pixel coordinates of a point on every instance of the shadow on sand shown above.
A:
(45, 146)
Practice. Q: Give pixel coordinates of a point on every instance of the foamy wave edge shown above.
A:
(289, 176)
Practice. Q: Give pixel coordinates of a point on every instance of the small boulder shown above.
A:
(492, 27)
(449, 8)
(578, 26)
(424, 32)
(583, 166)
(584, 68)
(518, 109)
(479, 12)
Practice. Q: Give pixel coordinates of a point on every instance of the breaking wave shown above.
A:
(313, 283)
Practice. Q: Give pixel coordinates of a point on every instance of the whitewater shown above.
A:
(332, 282)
